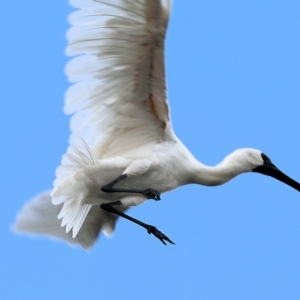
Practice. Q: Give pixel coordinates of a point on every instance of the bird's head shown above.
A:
(252, 160)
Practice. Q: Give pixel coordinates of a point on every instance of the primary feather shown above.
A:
(119, 97)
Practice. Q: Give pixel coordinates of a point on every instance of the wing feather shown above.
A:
(118, 99)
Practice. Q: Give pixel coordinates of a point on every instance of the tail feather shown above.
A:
(39, 217)
(82, 222)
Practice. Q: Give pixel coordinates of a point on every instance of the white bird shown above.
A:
(123, 150)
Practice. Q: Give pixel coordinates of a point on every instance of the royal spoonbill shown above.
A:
(122, 150)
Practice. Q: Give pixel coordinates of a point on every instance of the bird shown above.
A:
(122, 148)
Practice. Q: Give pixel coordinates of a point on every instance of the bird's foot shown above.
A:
(151, 194)
(162, 237)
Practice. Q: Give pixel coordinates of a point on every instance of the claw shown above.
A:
(151, 194)
(162, 237)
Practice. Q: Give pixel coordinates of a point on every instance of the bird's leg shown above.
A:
(148, 193)
(109, 207)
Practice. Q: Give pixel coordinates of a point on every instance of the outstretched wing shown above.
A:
(119, 97)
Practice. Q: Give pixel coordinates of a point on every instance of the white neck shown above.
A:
(211, 176)
(233, 165)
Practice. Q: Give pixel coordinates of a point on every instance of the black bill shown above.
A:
(268, 168)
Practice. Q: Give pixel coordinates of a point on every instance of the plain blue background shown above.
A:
(233, 81)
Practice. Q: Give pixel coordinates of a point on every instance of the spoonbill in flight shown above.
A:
(122, 150)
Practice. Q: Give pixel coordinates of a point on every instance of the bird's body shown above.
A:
(141, 170)
(123, 150)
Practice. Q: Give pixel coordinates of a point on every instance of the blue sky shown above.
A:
(233, 81)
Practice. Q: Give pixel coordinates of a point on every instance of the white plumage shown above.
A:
(120, 124)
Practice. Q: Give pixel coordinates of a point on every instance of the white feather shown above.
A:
(120, 123)
(123, 62)
(118, 94)
(39, 217)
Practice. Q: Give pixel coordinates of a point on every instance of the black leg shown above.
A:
(148, 193)
(109, 207)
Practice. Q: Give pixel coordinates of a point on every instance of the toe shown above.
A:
(158, 234)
